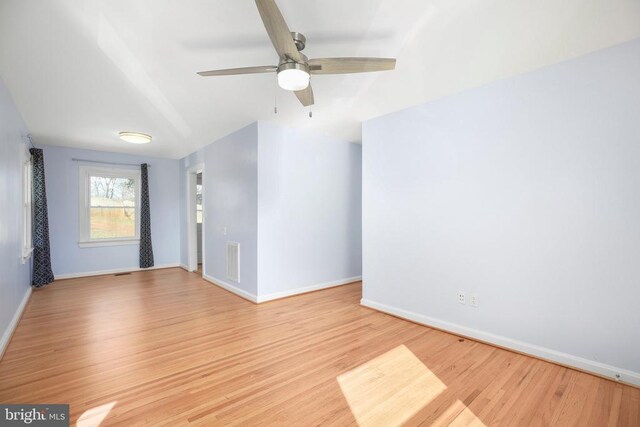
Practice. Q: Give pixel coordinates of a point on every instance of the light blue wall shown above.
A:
(62, 178)
(525, 191)
(293, 202)
(230, 200)
(309, 209)
(15, 277)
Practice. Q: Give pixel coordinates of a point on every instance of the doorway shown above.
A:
(196, 219)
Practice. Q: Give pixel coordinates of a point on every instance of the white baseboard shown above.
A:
(185, 267)
(561, 358)
(277, 295)
(231, 288)
(114, 271)
(304, 290)
(6, 336)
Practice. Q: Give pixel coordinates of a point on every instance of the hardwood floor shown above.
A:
(164, 347)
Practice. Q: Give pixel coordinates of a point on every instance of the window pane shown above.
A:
(112, 222)
(112, 208)
(199, 203)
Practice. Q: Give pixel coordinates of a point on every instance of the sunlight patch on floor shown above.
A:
(390, 389)
(94, 416)
(458, 414)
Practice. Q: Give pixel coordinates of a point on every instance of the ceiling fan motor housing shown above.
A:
(287, 63)
(293, 66)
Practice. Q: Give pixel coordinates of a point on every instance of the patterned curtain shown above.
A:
(146, 250)
(42, 273)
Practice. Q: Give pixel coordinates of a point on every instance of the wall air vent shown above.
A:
(233, 261)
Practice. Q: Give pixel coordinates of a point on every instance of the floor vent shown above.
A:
(233, 261)
(122, 274)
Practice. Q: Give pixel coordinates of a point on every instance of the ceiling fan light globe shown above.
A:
(293, 79)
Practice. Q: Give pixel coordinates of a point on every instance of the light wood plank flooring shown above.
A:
(164, 347)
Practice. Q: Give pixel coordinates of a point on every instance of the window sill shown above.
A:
(26, 254)
(114, 242)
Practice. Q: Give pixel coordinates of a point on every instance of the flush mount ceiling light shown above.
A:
(135, 137)
(293, 76)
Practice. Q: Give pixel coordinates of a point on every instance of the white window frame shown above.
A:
(27, 205)
(86, 172)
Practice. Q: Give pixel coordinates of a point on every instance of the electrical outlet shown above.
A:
(462, 299)
(473, 300)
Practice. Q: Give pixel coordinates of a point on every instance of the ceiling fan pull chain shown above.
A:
(310, 112)
(275, 98)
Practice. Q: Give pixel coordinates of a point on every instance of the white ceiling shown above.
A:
(82, 70)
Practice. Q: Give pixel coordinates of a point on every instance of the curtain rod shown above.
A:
(108, 163)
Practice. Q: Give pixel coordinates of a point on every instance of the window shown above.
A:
(109, 200)
(199, 203)
(27, 181)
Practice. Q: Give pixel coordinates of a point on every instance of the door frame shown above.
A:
(192, 225)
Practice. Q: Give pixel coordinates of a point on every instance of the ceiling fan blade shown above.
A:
(305, 96)
(244, 70)
(350, 65)
(278, 30)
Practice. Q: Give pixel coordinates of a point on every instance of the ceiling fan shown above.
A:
(294, 68)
